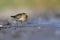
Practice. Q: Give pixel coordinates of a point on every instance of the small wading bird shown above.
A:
(20, 17)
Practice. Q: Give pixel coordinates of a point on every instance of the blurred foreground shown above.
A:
(34, 29)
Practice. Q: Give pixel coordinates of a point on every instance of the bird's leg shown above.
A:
(21, 22)
(16, 24)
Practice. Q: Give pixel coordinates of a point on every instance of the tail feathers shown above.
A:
(13, 16)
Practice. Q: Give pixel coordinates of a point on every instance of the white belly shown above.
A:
(22, 19)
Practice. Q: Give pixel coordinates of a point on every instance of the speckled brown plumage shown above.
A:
(20, 16)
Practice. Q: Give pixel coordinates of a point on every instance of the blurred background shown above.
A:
(34, 8)
(43, 22)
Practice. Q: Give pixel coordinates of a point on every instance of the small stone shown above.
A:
(1, 25)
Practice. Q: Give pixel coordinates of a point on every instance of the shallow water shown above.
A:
(34, 29)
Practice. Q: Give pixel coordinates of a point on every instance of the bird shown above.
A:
(21, 17)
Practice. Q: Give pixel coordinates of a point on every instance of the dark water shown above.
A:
(33, 29)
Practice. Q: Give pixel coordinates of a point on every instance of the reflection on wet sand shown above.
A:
(40, 30)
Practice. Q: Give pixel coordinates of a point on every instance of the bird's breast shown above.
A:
(22, 19)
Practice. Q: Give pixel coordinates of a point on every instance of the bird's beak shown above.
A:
(13, 16)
